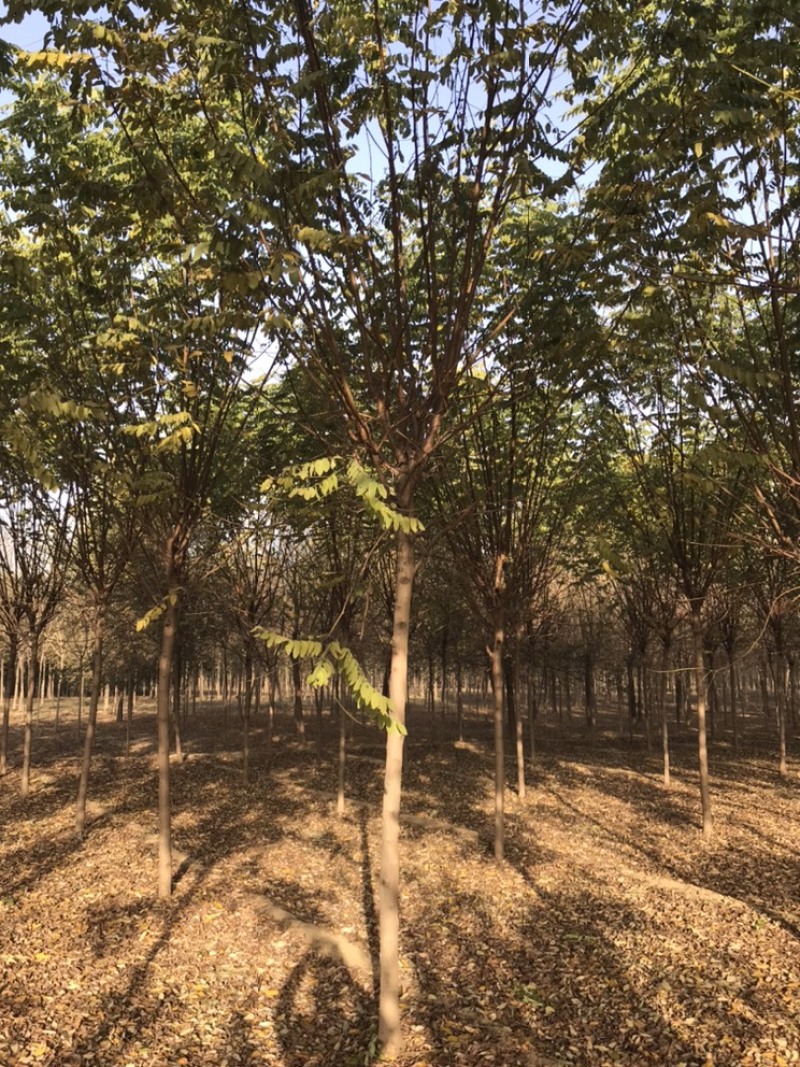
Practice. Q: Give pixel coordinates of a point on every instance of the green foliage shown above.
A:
(330, 658)
(156, 612)
(319, 478)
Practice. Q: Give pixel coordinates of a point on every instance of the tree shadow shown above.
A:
(326, 1018)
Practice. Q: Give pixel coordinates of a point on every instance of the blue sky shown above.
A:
(28, 34)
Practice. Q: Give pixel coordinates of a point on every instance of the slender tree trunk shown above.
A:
(297, 682)
(175, 708)
(459, 700)
(702, 741)
(443, 691)
(81, 687)
(793, 692)
(162, 718)
(340, 801)
(129, 714)
(430, 698)
(531, 698)
(389, 897)
(643, 703)
(8, 697)
(496, 664)
(734, 714)
(246, 710)
(318, 698)
(590, 694)
(763, 673)
(91, 724)
(780, 705)
(59, 686)
(662, 711)
(30, 699)
(512, 690)
(42, 686)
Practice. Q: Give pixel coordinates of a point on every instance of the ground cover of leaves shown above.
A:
(613, 935)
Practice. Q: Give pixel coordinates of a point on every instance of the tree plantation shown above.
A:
(400, 533)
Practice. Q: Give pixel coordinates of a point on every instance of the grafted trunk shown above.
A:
(389, 896)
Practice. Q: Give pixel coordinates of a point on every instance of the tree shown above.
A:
(35, 543)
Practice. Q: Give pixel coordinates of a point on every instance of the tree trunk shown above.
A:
(91, 724)
(33, 680)
(81, 687)
(59, 685)
(702, 741)
(734, 715)
(8, 696)
(389, 897)
(780, 705)
(248, 699)
(129, 715)
(297, 681)
(496, 664)
(662, 711)
(459, 700)
(342, 750)
(175, 709)
(162, 718)
(532, 709)
(511, 676)
(590, 694)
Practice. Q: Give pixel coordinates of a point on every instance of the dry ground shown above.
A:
(612, 935)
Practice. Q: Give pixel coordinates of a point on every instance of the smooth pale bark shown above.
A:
(91, 726)
(162, 718)
(702, 739)
(389, 894)
(33, 679)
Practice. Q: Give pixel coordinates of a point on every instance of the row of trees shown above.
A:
(286, 283)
